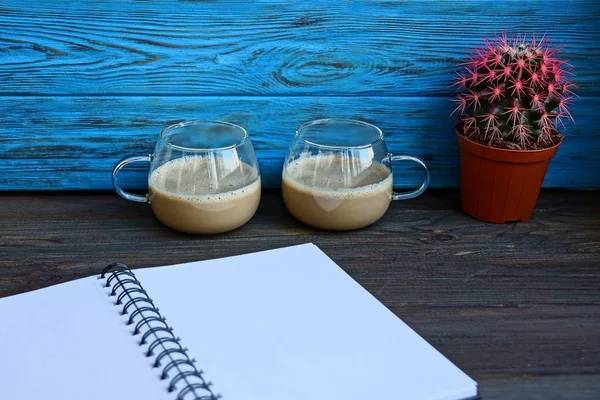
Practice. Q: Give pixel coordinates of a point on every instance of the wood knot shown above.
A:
(443, 237)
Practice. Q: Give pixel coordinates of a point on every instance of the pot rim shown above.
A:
(505, 155)
(506, 150)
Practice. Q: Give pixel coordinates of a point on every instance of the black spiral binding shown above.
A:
(139, 311)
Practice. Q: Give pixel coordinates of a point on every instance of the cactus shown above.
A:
(513, 93)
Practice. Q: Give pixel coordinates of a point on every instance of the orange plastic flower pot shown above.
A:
(498, 185)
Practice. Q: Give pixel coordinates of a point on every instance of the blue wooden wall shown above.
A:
(84, 83)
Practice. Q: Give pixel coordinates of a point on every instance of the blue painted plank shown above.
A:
(391, 48)
(66, 143)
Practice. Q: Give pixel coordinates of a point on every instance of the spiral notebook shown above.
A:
(286, 324)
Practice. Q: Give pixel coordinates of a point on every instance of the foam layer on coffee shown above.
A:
(199, 179)
(336, 176)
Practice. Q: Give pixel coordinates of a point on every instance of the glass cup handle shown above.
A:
(419, 191)
(115, 178)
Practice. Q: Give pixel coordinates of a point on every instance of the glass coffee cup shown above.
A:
(204, 177)
(338, 174)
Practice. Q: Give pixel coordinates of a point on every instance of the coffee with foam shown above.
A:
(198, 195)
(336, 192)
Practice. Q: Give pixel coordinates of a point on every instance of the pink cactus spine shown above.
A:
(513, 93)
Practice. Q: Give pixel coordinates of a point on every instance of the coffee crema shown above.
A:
(332, 192)
(197, 195)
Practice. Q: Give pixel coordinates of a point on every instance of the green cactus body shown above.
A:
(514, 91)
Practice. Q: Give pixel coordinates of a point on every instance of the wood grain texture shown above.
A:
(85, 83)
(57, 143)
(271, 47)
(516, 306)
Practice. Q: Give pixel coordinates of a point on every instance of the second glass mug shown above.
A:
(203, 178)
(338, 174)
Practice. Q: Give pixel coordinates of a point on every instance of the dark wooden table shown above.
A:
(516, 306)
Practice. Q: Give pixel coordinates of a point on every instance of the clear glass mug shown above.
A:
(203, 178)
(338, 174)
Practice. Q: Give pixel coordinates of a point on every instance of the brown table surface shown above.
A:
(516, 306)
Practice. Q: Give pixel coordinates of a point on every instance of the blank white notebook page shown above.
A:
(68, 342)
(289, 324)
